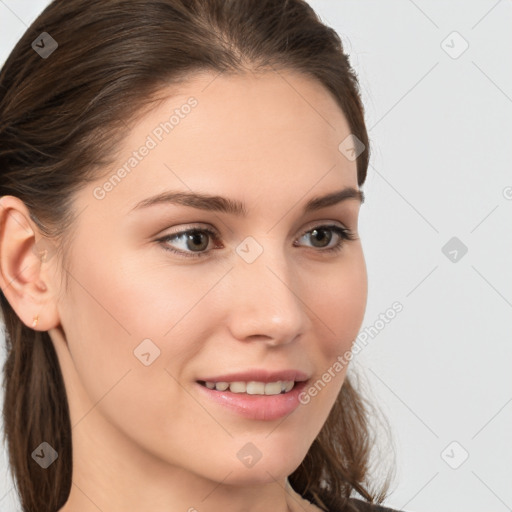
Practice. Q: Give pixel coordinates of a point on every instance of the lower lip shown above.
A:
(257, 407)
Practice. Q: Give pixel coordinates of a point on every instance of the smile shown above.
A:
(252, 387)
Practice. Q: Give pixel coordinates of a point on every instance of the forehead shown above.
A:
(247, 110)
(235, 135)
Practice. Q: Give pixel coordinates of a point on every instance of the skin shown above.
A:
(144, 438)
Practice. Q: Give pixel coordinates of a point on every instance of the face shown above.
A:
(163, 295)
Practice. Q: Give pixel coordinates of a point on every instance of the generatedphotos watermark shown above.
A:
(359, 343)
(153, 139)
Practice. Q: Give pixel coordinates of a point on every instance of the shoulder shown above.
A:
(357, 505)
(341, 504)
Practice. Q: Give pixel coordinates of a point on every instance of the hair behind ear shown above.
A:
(35, 410)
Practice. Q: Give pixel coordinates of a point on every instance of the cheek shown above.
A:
(133, 327)
(110, 328)
(338, 301)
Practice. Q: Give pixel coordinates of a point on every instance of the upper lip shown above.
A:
(259, 375)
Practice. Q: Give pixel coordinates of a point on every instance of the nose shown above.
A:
(266, 302)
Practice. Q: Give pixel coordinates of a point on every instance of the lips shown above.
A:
(242, 392)
(258, 375)
(254, 407)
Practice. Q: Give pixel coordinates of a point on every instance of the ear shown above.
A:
(25, 265)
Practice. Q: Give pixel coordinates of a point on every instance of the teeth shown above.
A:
(237, 387)
(289, 386)
(253, 388)
(273, 388)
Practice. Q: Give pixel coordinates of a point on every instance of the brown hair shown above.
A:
(60, 124)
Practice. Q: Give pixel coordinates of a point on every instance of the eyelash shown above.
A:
(344, 233)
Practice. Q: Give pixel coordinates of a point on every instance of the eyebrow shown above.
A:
(233, 207)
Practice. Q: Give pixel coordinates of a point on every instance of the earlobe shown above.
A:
(23, 270)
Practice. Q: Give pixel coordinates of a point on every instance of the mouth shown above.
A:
(280, 387)
(254, 400)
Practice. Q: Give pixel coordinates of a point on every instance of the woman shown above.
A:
(181, 273)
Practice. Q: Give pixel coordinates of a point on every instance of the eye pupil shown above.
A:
(315, 231)
(195, 238)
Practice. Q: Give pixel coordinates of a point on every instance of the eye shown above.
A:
(192, 239)
(318, 233)
(195, 241)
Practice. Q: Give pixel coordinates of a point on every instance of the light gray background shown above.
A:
(441, 132)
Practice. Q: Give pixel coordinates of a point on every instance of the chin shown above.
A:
(264, 471)
(256, 477)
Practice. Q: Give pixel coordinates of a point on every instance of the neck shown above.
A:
(112, 474)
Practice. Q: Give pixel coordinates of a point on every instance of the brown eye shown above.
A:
(321, 236)
(197, 240)
(194, 242)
